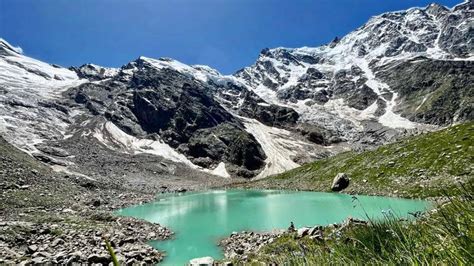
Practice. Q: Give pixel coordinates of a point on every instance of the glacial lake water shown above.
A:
(200, 219)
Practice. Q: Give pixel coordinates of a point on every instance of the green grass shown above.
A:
(437, 164)
(444, 237)
(420, 166)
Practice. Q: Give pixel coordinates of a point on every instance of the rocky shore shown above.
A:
(65, 243)
(241, 246)
(60, 217)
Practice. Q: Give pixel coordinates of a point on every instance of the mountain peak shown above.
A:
(5, 47)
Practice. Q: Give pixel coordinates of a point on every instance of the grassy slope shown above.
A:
(442, 238)
(421, 166)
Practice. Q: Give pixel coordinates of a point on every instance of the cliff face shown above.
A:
(399, 73)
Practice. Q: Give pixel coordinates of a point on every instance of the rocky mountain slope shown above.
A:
(292, 106)
(363, 75)
(427, 165)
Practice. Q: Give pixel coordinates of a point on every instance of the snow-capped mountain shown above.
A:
(400, 72)
(349, 77)
(29, 91)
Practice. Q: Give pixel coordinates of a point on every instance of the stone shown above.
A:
(38, 260)
(316, 230)
(67, 210)
(32, 249)
(99, 258)
(60, 255)
(96, 203)
(201, 261)
(291, 228)
(301, 232)
(43, 254)
(340, 182)
(74, 257)
(57, 241)
(131, 262)
(151, 235)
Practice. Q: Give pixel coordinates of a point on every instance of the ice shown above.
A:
(278, 145)
(113, 137)
(390, 119)
(4, 43)
(220, 170)
(26, 82)
(199, 72)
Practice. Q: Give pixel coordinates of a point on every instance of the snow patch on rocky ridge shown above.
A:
(278, 145)
(112, 136)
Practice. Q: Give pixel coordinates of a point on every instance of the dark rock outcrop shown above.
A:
(165, 104)
(441, 92)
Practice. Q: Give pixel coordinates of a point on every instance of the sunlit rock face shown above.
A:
(400, 73)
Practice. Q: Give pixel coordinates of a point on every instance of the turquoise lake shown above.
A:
(200, 219)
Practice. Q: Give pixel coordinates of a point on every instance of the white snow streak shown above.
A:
(278, 145)
(112, 136)
(220, 170)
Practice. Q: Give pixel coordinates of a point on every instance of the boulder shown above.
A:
(74, 257)
(340, 182)
(99, 258)
(201, 261)
(301, 232)
(38, 260)
(316, 230)
(32, 249)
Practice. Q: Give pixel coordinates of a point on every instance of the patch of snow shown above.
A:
(107, 72)
(422, 102)
(111, 134)
(27, 82)
(390, 119)
(278, 144)
(64, 169)
(16, 49)
(220, 170)
(369, 112)
(199, 72)
(263, 104)
(372, 82)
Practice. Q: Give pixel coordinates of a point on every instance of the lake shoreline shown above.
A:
(179, 209)
(35, 198)
(57, 217)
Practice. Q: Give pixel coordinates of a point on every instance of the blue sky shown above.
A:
(224, 34)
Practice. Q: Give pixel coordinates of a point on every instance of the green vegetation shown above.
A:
(111, 252)
(422, 166)
(443, 237)
(437, 164)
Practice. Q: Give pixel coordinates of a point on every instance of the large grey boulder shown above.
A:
(201, 261)
(340, 182)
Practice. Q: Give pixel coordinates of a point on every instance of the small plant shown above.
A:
(445, 236)
(111, 252)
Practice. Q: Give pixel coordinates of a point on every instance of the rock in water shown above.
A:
(201, 261)
(340, 182)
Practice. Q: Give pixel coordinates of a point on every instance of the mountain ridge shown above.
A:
(292, 106)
